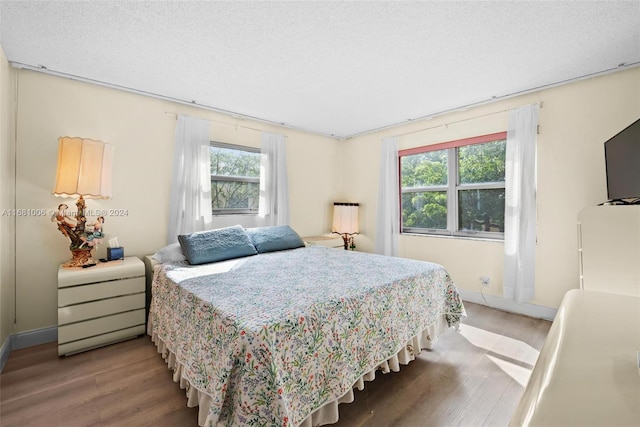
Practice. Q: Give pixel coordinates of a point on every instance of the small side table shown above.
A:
(328, 240)
(100, 305)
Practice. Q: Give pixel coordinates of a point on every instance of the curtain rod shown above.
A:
(541, 103)
(224, 123)
(45, 70)
(620, 67)
(452, 123)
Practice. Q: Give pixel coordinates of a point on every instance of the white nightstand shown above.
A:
(100, 305)
(328, 240)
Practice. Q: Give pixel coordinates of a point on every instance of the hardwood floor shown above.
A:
(471, 378)
(474, 377)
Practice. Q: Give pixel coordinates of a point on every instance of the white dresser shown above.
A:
(609, 249)
(100, 305)
(587, 373)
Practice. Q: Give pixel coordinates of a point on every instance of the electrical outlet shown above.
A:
(485, 281)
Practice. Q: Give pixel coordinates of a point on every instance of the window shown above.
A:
(235, 179)
(455, 188)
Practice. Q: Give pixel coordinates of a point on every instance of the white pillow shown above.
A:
(172, 252)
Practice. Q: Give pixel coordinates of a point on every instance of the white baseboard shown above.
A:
(532, 310)
(26, 339)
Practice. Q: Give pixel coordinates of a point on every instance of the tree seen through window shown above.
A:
(476, 196)
(235, 179)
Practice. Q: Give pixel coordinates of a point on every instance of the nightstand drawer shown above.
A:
(103, 325)
(105, 307)
(93, 342)
(101, 272)
(98, 291)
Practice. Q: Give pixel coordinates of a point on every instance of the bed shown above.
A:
(280, 337)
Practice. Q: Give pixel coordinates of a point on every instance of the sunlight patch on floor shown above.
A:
(513, 357)
(518, 373)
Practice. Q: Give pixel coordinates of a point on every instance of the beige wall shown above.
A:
(142, 131)
(7, 191)
(575, 121)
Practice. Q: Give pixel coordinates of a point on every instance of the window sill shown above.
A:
(234, 214)
(455, 237)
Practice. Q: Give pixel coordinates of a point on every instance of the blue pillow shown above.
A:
(216, 245)
(276, 238)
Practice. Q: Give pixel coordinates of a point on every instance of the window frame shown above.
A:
(228, 178)
(452, 188)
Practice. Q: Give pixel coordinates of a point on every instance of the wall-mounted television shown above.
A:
(622, 157)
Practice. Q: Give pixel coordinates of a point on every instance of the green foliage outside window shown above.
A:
(481, 209)
(235, 180)
(481, 162)
(424, 169)
(480, 188)
(424, 209)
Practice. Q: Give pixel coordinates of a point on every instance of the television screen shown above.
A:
(622, 157)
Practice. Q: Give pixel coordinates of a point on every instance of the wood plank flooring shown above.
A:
(473, 377)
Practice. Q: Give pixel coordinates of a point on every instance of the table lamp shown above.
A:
(84, 171)
(345, 222)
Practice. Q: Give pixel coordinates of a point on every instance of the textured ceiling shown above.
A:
(336, 68)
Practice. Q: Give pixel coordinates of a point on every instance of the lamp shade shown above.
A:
(345, 218)
(84, 168)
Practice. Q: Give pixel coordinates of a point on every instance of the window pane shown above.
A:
(425, 210)
(234, 195)
(230, 162)
(481, 210)
(424, 169)
(481, 162)
(235, 175)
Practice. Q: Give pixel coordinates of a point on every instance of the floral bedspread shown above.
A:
(280, 334)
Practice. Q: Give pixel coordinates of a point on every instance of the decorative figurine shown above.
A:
(82, 241)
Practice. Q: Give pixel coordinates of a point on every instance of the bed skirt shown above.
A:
(326, 414)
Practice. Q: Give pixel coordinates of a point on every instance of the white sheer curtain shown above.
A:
(388, 223)
(520, 204)
(274, 187)
(190, 200)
